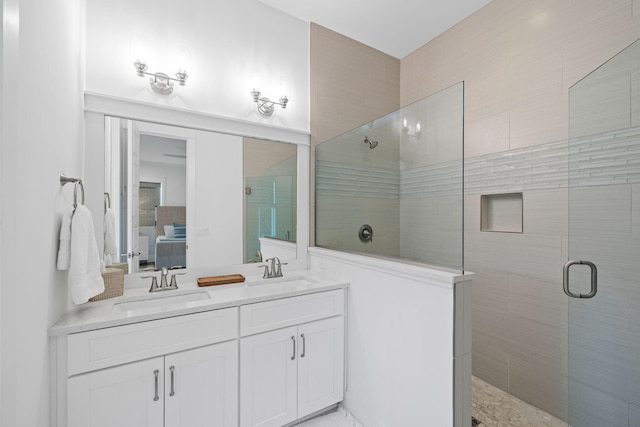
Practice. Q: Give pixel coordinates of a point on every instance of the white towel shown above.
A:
(110, 250)
(64, 250)
(85, 280)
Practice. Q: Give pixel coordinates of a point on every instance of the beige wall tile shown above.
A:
(549, 113)
(542, 386)
(635, 99)
(486, 135)
(351, 84)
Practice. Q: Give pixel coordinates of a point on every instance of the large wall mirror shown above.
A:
(181, 197)
(240, 188)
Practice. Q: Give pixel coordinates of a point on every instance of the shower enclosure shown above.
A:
(604, 230)
(394, 186)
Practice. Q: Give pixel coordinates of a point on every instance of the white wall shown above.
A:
(42, 124)
(226, 42)
(174, 177)
(399, 340)
(217, 158)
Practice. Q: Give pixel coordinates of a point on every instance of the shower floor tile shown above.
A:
(493, 407)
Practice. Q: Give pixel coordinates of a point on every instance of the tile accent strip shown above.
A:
(603, 159)
(337, 179)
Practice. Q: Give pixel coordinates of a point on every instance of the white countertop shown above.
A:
(101, 314)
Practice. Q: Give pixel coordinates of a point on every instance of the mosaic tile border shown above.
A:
(604, 159)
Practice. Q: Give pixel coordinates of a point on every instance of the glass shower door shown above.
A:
(602, 277)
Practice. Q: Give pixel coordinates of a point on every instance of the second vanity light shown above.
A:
(265, 105)
(160, 82)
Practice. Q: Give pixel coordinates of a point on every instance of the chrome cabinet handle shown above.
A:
(293, 338)
(304, 345)
(172, 369)
(594, 279)
(155, 373)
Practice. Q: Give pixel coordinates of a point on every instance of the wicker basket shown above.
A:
(122, 266)
(113, 284)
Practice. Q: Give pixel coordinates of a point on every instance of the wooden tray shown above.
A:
(220, 280)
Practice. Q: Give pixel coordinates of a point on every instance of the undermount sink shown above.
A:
(289, 281)
(158, 302)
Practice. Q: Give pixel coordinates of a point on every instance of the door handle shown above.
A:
(172, 369)
(594, 279)
(156, 397)
(293, 355)
(304, 345)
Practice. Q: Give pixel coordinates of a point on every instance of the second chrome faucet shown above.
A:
(274, 269)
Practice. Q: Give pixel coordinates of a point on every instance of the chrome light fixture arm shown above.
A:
(160, 82)
(265, 105)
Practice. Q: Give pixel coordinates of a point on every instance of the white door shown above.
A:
(124, 396)
(320, 364)
(268, 365)
(133, 196)
(201, 387)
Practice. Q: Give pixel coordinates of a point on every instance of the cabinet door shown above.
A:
(320, 364)
(268, 364)
(201, 387)
(129, 395)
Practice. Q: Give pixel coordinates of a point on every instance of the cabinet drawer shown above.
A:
(122, 344)
(266, 316)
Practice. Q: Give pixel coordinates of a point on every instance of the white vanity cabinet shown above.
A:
(269, 355)
(120, 396)
(197, 386)
(291, 358)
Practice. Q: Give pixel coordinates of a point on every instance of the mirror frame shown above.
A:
(98, 106)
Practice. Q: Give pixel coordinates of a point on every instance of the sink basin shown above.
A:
(164, 301)
(289, 281)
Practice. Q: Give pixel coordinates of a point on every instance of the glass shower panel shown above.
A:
(604, 229)
(402, 176)
(270, 211)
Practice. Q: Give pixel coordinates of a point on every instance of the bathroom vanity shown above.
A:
(264, 352)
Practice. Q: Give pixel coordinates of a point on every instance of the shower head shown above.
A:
(372, 144)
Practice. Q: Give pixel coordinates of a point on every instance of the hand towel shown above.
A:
(64, 250)
(85, 280)
(110, 250)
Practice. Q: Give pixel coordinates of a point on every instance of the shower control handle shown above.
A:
(366, 233)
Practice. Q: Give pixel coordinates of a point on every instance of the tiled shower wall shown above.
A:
(351, 84)
(518, 60)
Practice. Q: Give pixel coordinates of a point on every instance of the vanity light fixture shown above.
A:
(160, 82)
(265, 105)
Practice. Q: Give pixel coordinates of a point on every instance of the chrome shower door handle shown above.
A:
(594, 279)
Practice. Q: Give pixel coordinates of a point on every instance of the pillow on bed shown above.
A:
(169, 231)
(180, 230)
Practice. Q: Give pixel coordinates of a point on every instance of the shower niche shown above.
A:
(402, 175)
(501, 212)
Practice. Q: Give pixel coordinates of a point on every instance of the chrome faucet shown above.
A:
(164, 286)
(275, 270)
(163, 277)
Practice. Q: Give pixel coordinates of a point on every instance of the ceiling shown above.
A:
(395, 27)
